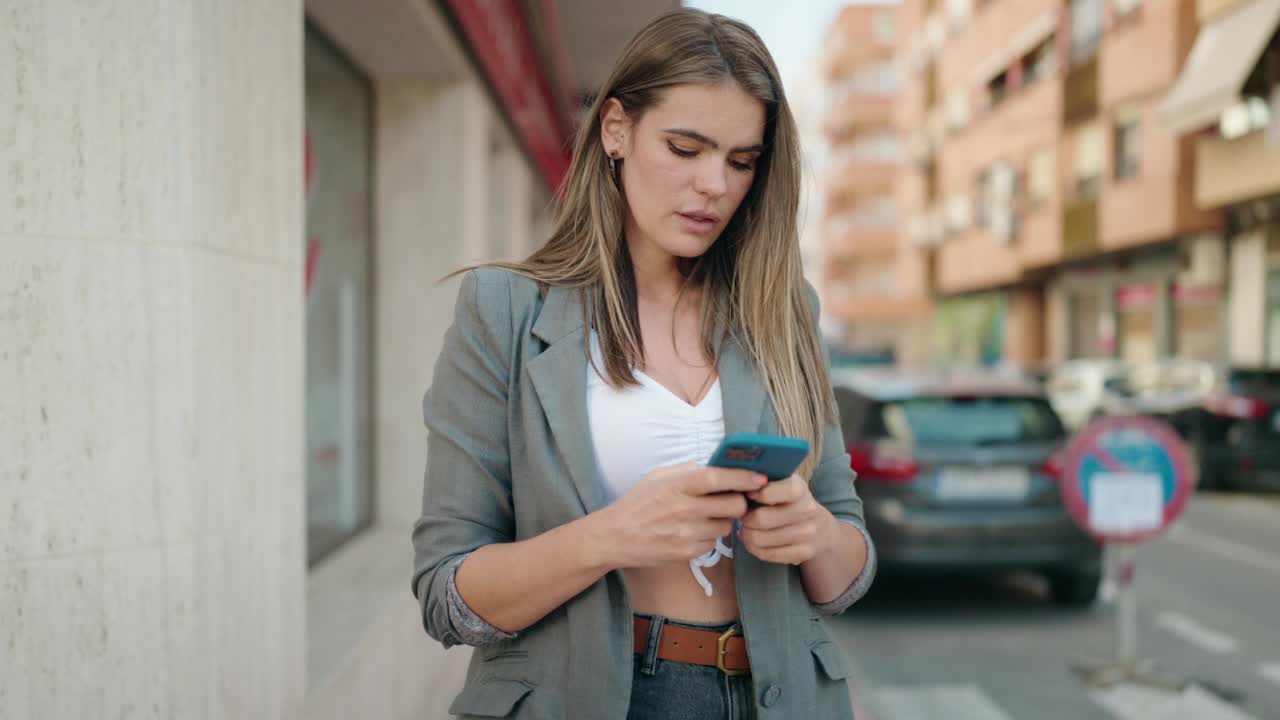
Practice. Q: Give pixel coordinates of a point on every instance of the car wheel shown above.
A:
(1075, 588)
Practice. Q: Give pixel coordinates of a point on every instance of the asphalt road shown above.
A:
(974, 648)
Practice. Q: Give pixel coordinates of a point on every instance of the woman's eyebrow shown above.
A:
(694, 135)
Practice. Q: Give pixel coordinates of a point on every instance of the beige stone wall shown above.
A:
(151, 335)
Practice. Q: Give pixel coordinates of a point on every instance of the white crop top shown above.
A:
(642, 427)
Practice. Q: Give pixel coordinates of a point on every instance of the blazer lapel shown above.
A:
(559, 377)
(741, 392)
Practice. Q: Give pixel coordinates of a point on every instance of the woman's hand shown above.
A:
(674, 514)
(789, 526)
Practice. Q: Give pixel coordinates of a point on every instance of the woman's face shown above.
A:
(687, 163)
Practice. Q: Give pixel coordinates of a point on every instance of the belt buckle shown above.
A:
(722, 644)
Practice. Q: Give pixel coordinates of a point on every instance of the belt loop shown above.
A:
(650, 664)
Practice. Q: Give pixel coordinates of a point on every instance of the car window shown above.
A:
(971, 421)
(1254, 382)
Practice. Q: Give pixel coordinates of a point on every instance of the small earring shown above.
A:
(613, 162)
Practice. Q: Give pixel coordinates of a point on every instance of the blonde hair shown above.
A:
(752, 274)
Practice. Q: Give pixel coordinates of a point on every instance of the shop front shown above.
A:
(1142, 307)
(970, 330)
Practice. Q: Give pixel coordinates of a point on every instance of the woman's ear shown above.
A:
(615, 128)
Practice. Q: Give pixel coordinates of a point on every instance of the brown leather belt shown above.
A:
(727, 650)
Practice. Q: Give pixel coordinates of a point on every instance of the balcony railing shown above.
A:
(1080, 227)
(1080, 92)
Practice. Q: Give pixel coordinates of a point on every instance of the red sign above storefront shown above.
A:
(499, 38)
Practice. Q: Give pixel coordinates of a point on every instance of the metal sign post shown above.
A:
(1127, 479)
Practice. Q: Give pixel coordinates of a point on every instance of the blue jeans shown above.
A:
(667, 690)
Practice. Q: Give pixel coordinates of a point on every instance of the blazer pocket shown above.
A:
(831, 659)
(491, 698)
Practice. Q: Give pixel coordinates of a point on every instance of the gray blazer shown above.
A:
(510, 456)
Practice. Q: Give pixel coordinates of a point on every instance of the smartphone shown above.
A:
(774, 456)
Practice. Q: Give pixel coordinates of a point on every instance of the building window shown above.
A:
(1126, 145)
(997, 186)
(339, 110)
(1040, 177)
(997, 89)
(1089, 158)
(1040, 62)
(1086, 28)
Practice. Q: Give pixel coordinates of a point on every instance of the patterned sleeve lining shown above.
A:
(471, 628)
(860, 584)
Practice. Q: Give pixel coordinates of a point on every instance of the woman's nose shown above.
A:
(712, 179)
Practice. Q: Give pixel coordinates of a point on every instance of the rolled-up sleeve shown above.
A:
(466, 499)
(833, 486)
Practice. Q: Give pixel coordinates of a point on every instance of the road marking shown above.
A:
(1133, 702)
(1227, 548)
(930, 702)
(1270, 671)
(1197, 634)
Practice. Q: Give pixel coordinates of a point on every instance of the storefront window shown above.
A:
(1090, 327)
(970, 330)
(1136, 321)
(338, 130)
(1198, 322)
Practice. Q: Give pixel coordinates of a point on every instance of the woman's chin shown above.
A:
(689, 247)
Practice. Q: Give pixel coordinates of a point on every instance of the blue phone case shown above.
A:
(773, 456)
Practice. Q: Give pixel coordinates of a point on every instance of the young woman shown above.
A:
(570, 529)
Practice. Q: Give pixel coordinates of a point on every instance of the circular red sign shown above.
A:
(1088, 452)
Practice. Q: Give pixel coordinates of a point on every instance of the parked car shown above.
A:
(1076, 388)
(961, 473)
(1173, 390)
(1236, 435)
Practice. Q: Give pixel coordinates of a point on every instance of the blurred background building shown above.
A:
(1075, 181)
(873, 282)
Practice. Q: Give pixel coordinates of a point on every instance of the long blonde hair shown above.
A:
(752, 274)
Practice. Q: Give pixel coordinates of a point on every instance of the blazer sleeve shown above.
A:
(832, 485)
(466, 498)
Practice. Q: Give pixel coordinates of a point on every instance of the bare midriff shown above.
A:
(672, 592)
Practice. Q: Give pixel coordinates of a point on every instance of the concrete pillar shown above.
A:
(1247, 299)
(151, 351)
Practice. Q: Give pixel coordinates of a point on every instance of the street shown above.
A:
(972, 648)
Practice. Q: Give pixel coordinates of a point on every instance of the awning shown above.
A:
(1028, 37)
(1226, 51)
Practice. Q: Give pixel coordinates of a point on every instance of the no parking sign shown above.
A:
(1126, 479)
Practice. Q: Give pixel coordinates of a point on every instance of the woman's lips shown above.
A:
(697, 223)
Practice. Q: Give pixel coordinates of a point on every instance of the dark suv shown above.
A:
(962, 473)
(1236, 433)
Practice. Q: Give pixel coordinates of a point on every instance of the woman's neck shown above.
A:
(658, 277)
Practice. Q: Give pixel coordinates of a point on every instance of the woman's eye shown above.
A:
(682, 152)
(743, 166)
